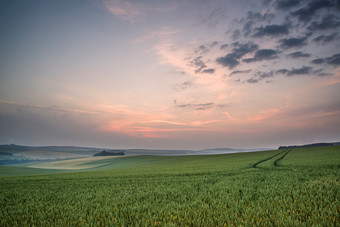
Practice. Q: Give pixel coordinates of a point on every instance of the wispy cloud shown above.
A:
(123, 9)
(158, 34)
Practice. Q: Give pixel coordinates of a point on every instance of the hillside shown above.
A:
(280, 187)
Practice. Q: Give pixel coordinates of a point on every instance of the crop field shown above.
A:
(281, 187)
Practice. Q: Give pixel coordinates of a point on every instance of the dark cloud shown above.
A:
(305, 70)
(222, 47)
(203, 48)
(256, 16)
(287, 4)
(263, 54)
(236, 34)
(324, 39)
(247, 28)
(241, 49)
(239, 71)
(328, 22)
(282, 71)
(251, 19)
(204, 106)
(209, 71)
(318, 61)
(324, 74)
(298, 54)
(272, 30)
(198, 64)
(305, 13)
(200, 106)
(266, 2)
(252, 81)
(293, 42)
(258, 76)
(263, 75)
(183, 85)
(231, 60)
(332, 60)
(213, 44)
(320, 73)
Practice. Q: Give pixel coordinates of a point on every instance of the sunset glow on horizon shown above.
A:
(169, 74)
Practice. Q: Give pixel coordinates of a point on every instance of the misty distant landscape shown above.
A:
(16, 154)
(19, 154)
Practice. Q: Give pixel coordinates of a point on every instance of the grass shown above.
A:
(297, 187)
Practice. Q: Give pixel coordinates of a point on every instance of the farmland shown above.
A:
(281, 187)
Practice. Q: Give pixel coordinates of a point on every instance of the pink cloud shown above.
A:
(123, 9)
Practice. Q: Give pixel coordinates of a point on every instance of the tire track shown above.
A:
(261, 161)
(282, 157)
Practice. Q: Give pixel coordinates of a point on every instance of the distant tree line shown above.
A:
(110, 153)
(307, 146)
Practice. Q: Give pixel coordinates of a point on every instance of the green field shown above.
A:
(281, 187)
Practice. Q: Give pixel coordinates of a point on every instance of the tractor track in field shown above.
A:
(284, 152)
(264, 160)
(282, 157)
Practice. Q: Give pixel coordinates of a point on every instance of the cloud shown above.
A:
(123, 9)
(203, 49)
(332, 60)
(258, 76)
(287, 4)
(198, 63)
(200, 106)
(239, 71)
(230, 61)
(328, 22)
(238, 51)
(324, 39)
(265, 15)
(305, 70)
(272, 30)
(184, 85)
(263, 54)
(213, 44)
(251, 19)
(263, 75)
(224, 46)
(252, 81)
(318, 61)
(236, 34)
(293, 42)
(282, 71)
(298, 54)
(162, 33)
(209, 71)
(247, 28)
(304, 14)
(241, 49)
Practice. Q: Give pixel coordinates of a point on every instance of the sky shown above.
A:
(169, 74)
